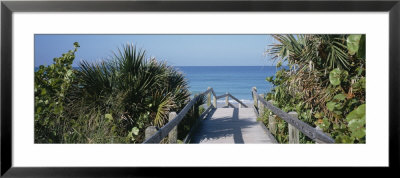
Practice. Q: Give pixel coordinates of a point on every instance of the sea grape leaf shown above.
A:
(135, 131)
(339, 106)
(69, 73)
(331, 105)
(356, 122)
(344, 139)
(340, 97)
(353, 43)
(361, 48)
(337, 112)
(362, 81)
(334, 76)
(358, 113)
(38, 109)
(325, 123)
(356, 126)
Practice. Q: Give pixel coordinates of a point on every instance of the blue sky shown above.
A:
(177, 50)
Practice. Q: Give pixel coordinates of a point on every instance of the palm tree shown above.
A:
(320, 51)
(136, 90)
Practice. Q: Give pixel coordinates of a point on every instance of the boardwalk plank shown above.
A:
(231, 125)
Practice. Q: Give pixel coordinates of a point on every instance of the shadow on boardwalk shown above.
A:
(230, 125)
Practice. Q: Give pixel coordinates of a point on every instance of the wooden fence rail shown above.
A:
(153, 135)
(173, 122)
(295, 124)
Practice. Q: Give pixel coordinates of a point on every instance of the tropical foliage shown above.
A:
(110, 101)
(324, 82)
(52, 84)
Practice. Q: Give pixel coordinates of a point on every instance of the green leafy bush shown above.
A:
(52, 83)
(324, 83)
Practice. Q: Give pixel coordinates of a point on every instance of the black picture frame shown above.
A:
(8, 7)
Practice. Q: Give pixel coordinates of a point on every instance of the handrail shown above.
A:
(201, 117)
(303, 127)
(222, 96)
(166, 129)
(234, 98)
(163, 132)
(237, 100)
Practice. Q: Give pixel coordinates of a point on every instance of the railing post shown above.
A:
(255, 97)
(227, 100)
(209, 97)
(173, 135)
(316, 140)
(293, 132)
(261, 109)
(272, 122)
(150, 131)
(215, 101)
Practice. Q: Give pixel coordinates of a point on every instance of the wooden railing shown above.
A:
(295, 125)
(152, 135)
(226, 96)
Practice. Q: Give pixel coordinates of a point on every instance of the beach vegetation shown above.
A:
(324, 83)
(108, 101)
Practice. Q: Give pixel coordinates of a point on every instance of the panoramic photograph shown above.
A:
(200, 88)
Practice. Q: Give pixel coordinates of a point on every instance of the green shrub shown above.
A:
(52, 83)
(324, 83)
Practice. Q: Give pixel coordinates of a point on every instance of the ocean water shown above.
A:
(237, 80)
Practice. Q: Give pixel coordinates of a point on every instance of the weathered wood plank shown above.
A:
(231, 105)
(272, 124)
(255, 98)
(149, 132)
(214, 98)
(173, 134)
(261, 106)
(209, 97)
(231, 125)
(237, 100)
(222, 96)
(293, 132)
(227, 99)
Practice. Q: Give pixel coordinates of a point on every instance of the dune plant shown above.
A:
(52, 84)
(324, 82)
(134, 90)
(109, 101)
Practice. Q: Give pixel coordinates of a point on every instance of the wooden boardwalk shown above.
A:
(235, 124)
(232, 125)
